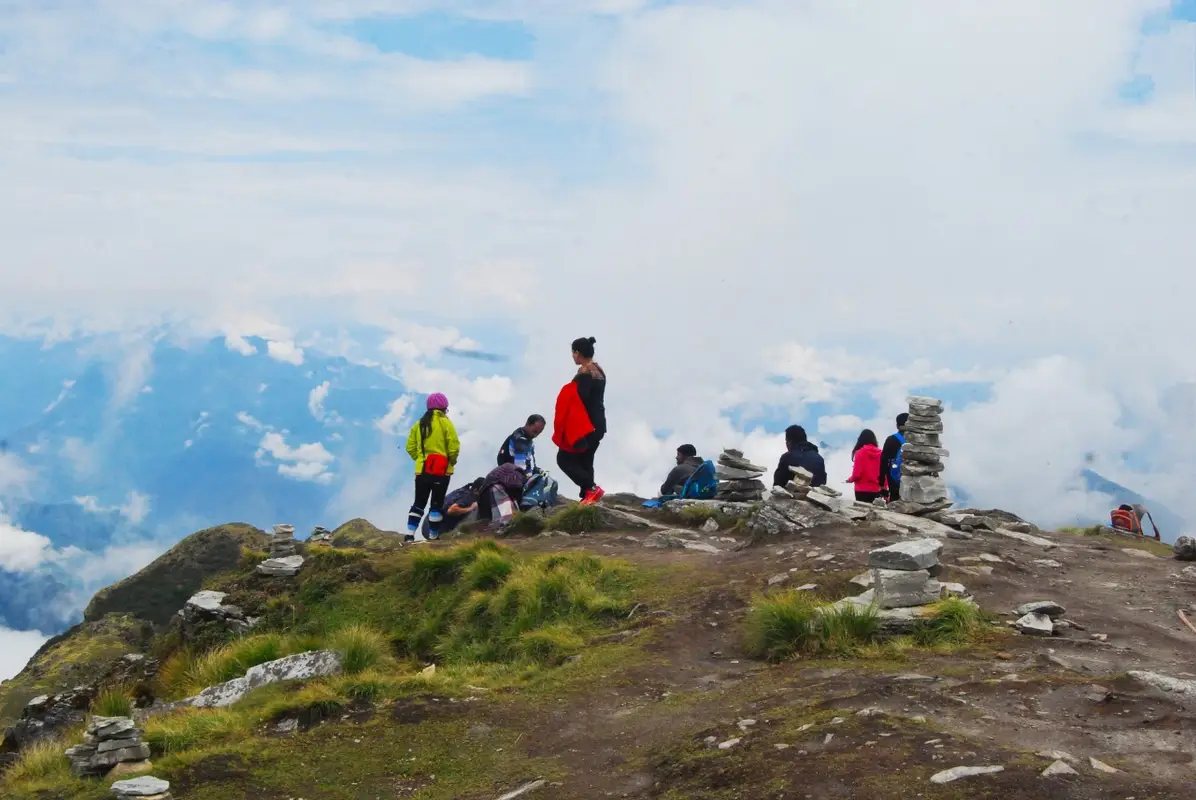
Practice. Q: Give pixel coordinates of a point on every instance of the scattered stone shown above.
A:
(864, 579)
(1058, 769)
(1133, 553)
(727, 745)
(1100, 637)
(526, 788)
(911, 556)
(808, 587)
(679, 540)
(902, 589)
(830, 737)
(1049, 563)
(1057, 755)
(778, 579)
(146, 786)
(744, 724)
(955, 773)
(287, 726)
(990, 558)
(1048, 607)
(1165, 683)
(780, 746)
(1035, 625)
(1185, 548)
(1028, 539)
(286, 567)
(710, 526)
(1101, 766)
(209, 607)
(955, 590)
(301, 666)
(871, 711)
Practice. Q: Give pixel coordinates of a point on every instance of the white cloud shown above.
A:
(16, 476)
(247, 419)
(239, 344)
(83, 458)
(315, 400)
(135, 508)
(21, 550)
(286, 352)
(307, 462)
(393, 422)
(62, 395)
(16, 648)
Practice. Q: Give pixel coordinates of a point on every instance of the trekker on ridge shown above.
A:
(460, 506)
(580, 421)
(865, 467)
(800, 453)
(519, 448)
(890, 459)
(688, 462)
(434, 446)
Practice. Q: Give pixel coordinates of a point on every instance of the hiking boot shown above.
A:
(408, 538)
(593, 496)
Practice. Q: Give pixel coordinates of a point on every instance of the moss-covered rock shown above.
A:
(158, 591)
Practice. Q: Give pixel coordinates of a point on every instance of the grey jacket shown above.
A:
(679, 474)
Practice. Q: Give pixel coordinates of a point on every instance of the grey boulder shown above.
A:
(1047, 607)
(1185, 548)
(904, 589)
(301, 666)
(1035, 625)
(285, 567)
(914, 555)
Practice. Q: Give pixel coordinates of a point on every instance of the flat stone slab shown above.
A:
(955, 773)
(1048, 607)
(145, 786)
(1165, 683)
(918, 554)
(1058, 769)
(905, 589)
(1035, 625)
(207, 601)
(286, 567)
(301, 666)
(1038, 541)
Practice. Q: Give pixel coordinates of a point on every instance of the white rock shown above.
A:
(903, 589)
(526, 788)
(1129, 551)
(1049, 563)
(302, 666)
(918, 554)
(286, 567)
(990, 558)
(809, 587)
(1165, 683)
(955, 773)
(923, 488)
(727, 745)
(1048, 607)
(905, 523)
(955, 589)
(1057, 769)
(1027, 538)
(144, 786)
(1035, 625)
(1057, 755)
(710, 525)
(778, 579)
(744, 724)
(207, 601)
(1101, 766)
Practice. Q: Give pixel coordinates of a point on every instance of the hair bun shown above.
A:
(592, 340)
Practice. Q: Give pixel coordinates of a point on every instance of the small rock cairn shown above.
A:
(284, 561)
(739, 479)
(143, 788)
(905, 574)
(282, 543)
(109, 741)
(320, 537)
(922, 455)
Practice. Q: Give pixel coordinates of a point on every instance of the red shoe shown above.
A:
(593, 496)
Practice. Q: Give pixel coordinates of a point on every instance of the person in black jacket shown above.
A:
(591, 389)
(800, 453)
(888, 455)
(688, 462)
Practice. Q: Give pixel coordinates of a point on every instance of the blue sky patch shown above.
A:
(440, 37)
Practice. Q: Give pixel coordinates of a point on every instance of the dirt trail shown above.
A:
(640, 732)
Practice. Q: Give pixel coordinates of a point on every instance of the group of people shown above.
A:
(876, 472)
(579, 426)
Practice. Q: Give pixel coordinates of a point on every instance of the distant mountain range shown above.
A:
(1171, 525)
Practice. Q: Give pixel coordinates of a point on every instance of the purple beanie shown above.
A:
(437, 401)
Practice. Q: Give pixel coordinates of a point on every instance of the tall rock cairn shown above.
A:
(282, 543)
(922, 454)
(108, 741)
(739, 479)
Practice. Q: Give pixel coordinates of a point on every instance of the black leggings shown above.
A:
(867, 497)
(579, 467)
(428, 487)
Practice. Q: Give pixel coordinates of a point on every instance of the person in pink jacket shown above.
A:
(865, 470)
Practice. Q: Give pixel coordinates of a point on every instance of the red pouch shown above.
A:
(436, 464)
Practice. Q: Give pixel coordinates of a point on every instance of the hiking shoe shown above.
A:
(408, 538)
(593, 496)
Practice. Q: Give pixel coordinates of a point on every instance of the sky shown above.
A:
(751, 205)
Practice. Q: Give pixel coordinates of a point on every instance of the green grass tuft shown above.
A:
(576, 519)
(40, 761)
(189, 728)
(488, 571)
(115, 701)
(696, 516)
(951, 621)
(783, 625)
(360, 648)
(525, 523)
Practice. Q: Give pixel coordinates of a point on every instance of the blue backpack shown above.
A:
(895, 467)
(703, 484)
(539, 491)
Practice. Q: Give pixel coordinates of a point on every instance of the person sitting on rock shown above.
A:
(800, 453)
(890, 460)
(519, 448)
(865, 461)
(688, 462)
(510, 478)
(460, 506)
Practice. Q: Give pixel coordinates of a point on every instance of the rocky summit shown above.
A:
(791, 644)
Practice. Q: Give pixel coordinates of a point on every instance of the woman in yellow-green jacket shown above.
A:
(434, 446)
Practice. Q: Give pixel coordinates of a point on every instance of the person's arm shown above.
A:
(891, 449)
(856, 472)
(454, 444)
(413, 443)
(457, 511)
(782, 476)
(672, 482)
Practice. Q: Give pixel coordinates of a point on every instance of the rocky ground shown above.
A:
(669, 706)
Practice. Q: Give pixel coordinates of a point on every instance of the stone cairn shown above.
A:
(739, 479)
(922, 456)
(143, 788)
(282, 543)
(906, 574)
(109, 741)
(320, 537)
(284, 560)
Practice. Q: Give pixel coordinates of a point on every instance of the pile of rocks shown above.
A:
(1038, 618)
(903, 577)
(922, 455)
(109, 741)
(739, 479)
(204, 608)
(143, 788)
(320, 537)
(284, 562)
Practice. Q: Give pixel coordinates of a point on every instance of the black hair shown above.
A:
(584, 346)
(533, 419)
(475, 488)
(796, 434)
(866, 437)
(902, 418)
(425, 425)
(687, 450)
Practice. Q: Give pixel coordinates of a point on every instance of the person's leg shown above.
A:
(574, 470)
(438, 490)
(866, 497)
(592, 492)
(894, 490)
(423, 490)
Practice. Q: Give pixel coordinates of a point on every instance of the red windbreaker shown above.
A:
(571, 423)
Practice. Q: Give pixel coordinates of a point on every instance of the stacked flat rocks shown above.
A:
(143, 788)
(738, 478)
(209, 607)
(109, 741)
(321, 537)
(922, 454)
(903, 574)
(283, 561)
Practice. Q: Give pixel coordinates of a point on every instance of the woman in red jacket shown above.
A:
(580, 421)
(865, 470)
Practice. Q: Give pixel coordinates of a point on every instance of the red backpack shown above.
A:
(1123, 518)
